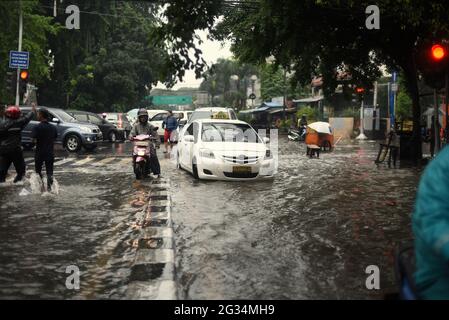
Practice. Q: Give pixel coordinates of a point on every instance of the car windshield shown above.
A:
(64, 116)
(229, 132)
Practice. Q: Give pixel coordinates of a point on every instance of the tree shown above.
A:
(36, 29)
(111, 63)
(317, 37)
(218, 83)
(275, 83)
(121, 73)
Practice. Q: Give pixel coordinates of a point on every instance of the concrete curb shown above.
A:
(153, 269)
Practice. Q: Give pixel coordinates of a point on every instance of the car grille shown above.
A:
(241, 175)
(241, 159)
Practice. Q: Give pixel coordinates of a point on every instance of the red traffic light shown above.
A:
(24, 74)
(359, 90)
(438, 52)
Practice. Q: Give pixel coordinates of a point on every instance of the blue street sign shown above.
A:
(19, 59)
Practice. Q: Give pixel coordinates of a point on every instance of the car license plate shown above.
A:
(241, 169)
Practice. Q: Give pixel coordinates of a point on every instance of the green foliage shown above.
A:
(110, 64)
(275, 83)
(350, 113)
(310, 113)
(36, 28)
(404, 106)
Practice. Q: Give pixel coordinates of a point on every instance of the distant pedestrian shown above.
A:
(393, 144)
(44, 135)
(170, 124)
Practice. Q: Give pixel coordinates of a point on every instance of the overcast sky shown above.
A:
(212, 51)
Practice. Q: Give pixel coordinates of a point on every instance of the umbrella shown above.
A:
(321, 127)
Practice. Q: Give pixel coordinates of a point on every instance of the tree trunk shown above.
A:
(411, 79)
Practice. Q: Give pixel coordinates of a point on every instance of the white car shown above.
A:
(132, 114)
(218, 149)
(157, 119)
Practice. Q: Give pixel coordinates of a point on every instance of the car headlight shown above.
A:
(206, 153)
(86, 129)
(268, 154)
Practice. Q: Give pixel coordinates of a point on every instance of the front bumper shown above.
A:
(218, 169)
(91, 138)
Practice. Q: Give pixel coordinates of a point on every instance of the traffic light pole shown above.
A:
(362, 136)
(20, 49)
(446, 107)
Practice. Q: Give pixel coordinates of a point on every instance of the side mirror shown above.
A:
(55, 120)
(266, 140)
(189, 138)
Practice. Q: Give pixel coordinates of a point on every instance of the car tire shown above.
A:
(112, 136)
(195, 170)
(72, 143)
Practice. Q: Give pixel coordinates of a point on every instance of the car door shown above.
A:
(186, 148)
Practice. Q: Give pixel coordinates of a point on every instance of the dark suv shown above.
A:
(108, 129)
(72, 134)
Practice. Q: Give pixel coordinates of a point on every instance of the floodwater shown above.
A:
(308, 233)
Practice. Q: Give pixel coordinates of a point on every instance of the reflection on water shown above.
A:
(310, 233)
(88, 224)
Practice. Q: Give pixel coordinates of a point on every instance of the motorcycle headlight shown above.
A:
(86, 129)
(268, 154)
(206, 153)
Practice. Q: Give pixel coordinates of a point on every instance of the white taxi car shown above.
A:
(218, 149)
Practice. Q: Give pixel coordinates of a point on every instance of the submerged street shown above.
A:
(308, 233)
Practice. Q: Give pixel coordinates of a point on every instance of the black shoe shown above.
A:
(18, 179)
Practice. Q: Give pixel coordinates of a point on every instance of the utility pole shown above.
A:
(436, 122)
(285, 94)
(375, 107)
(20, 49)
(446, 107)
(362, 136)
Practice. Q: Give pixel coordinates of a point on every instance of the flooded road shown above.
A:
(308, 233)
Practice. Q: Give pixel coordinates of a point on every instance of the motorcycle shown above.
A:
(297, 135)
(142, 152)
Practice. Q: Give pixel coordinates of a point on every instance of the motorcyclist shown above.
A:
(142, 126)
(11, 141)
(302, 126)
